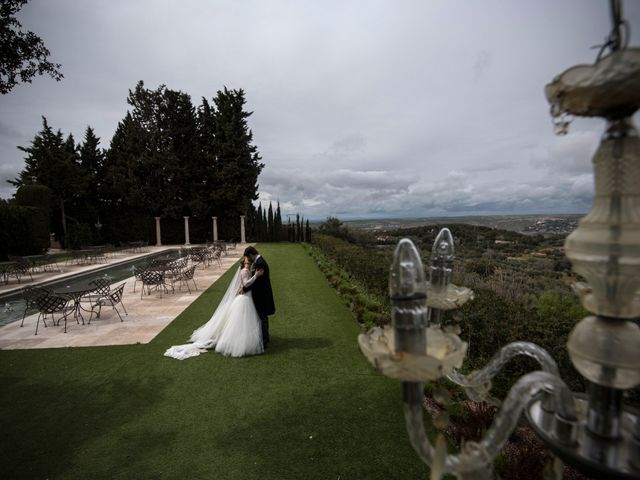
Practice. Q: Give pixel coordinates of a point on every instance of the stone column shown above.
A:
(186, 231)
(215, 229)
(242, 236)
(158, 242)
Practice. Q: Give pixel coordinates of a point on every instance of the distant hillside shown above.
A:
(527, 224)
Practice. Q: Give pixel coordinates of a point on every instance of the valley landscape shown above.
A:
(527, 224)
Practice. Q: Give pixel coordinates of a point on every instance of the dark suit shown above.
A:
(262, 297)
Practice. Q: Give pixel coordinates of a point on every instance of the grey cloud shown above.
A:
(570, 154)
(354, 194)
(483, 61)
(361, 107)
(346, 145)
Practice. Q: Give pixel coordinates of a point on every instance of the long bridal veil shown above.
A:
(206, 336)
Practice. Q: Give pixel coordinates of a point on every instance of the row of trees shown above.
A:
(265, 225)
(167, 158)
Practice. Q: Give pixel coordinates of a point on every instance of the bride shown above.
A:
(234, 328)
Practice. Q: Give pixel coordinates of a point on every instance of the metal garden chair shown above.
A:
(112, 299)
(152, 279)
(185, 276)
(50, 305)
(31, 295)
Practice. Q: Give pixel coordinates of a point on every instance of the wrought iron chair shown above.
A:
(137, 273)
(113, 298)
(185, 276)
(152, 279)
(198, 257)
(103, 287)
(31, 295)
(21, 268)
(51, 304)
(217, 256)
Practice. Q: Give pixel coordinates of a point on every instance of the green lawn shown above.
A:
(311, 407)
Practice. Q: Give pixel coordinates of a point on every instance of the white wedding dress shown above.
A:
(234, 328)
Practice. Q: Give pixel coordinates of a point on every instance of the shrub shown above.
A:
(370, 319)
(368, 267)
(368, 308)
(23, 230)
(38, 196)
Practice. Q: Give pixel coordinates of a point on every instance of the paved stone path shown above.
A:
(146, 317)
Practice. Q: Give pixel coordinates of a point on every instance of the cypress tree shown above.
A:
(278, 223)
(91, 157)
(237, 159)
(259, 223)
(52, 161)
(270, 224)
(265, 225)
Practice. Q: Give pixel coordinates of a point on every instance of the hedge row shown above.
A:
(367, 265)
(369, 310)
(23, 231)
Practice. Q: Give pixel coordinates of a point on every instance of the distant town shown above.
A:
(556, 225)
(561, 224)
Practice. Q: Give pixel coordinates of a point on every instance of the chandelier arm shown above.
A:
(523, 391)
(417, 436)
(479, 456)
(478, 383)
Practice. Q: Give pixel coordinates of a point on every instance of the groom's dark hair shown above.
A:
(250, 251)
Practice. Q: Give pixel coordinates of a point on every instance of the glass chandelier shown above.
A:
(595, 432)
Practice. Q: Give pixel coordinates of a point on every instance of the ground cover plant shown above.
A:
(312, 407)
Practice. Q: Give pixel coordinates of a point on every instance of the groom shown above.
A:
(262, 293)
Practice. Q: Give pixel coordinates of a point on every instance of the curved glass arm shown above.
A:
(478, 383)
(476, 459)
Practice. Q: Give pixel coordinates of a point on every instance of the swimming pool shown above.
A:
(12, 304)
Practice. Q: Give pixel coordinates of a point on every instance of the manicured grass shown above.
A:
(311, 407)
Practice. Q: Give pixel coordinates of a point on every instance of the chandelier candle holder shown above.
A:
(594, 432)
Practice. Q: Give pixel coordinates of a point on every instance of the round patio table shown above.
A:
(75, 291)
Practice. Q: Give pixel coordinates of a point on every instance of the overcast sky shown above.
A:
(362, 108)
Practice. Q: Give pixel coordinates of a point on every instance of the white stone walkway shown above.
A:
(147, 316)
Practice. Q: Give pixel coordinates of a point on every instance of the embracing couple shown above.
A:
(240, 324)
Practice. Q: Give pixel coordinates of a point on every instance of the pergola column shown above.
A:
(215, 229)
(158, 242)
(186, 231)
(242, 234)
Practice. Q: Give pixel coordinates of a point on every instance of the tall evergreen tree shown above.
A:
(278, 222)
(270, 224)
(119, 170)
(165, 121)
(265, 225)
(237, 159)
(260, 227)
(91, 158)
(207, 182)
(51, 161)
